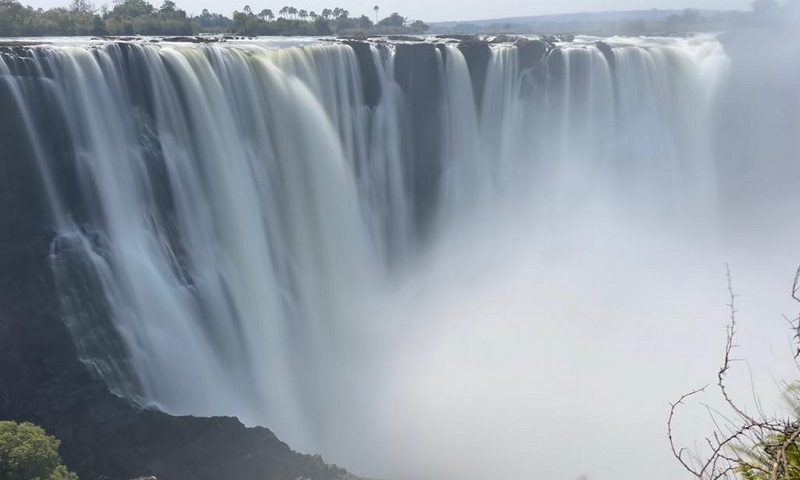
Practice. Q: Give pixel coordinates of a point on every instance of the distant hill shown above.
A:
(631, 21)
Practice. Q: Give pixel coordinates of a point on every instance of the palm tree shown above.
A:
(292, 11)
(376, 8)
(266, 14)
(302, 14)
(283, 11)
(326, 13)
(248, 10)
(313, 15)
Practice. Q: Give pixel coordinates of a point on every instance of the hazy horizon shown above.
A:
(445, 10)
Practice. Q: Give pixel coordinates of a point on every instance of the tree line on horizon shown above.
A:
(328, 21)
(139, 17)
(763, 13)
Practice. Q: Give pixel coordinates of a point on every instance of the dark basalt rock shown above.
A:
(197, 39)
(459, 37)
(404, 38)
(12, 45)
(477, 54)
(43, 381)
(503, 38)
(555, 65)
(607, 52)
(558, 37)
(533, 55)
(369, 71)
(532, 52)
(349, 36)
(417, 71)
(118, 38)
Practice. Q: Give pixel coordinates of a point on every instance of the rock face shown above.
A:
(607, 52)
(418, 73)
(369, 71)
(43, 381)
(477, 54)
(532, 52)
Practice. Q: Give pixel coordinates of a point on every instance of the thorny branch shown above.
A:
(796, 322)
(726, 445)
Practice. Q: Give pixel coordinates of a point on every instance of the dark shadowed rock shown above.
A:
(417, 71)
(459, 37)
(369, 71)
(607, 52)
(197, 39)
(477, 54)
(404, 38)
(555, 66)
(558, 37)
(503, 38)
(532, 52)
(351, 36)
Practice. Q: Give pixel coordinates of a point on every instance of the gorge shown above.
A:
(397, 254)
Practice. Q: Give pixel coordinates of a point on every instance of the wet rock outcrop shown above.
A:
(477, 54)
(419, 76)
(370, 80)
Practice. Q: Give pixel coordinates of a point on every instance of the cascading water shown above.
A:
(281, 234)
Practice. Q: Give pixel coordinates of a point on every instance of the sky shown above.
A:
(441, 10)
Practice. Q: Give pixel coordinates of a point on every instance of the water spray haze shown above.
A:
(423, 261)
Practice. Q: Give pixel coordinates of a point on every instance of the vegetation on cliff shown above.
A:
(27, 452)
(139, 17)
(291, 21)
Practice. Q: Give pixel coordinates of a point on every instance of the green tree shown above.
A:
(132, 8)
(81, 6)
(774, 456)
(393, 20)
(364, 22)
(167, 8)
(28, 453)
(761, 462)
(266, 14)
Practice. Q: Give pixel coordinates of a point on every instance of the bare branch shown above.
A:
(678, 454)
(743, 442)
(729, 346)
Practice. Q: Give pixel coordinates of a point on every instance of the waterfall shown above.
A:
(197, 226)
(237, 226)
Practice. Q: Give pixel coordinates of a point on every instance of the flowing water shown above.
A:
(418, 264)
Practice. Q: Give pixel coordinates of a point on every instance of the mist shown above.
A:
(437, 258)
(546, 336)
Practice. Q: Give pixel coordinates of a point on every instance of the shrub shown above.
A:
(27, 452)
